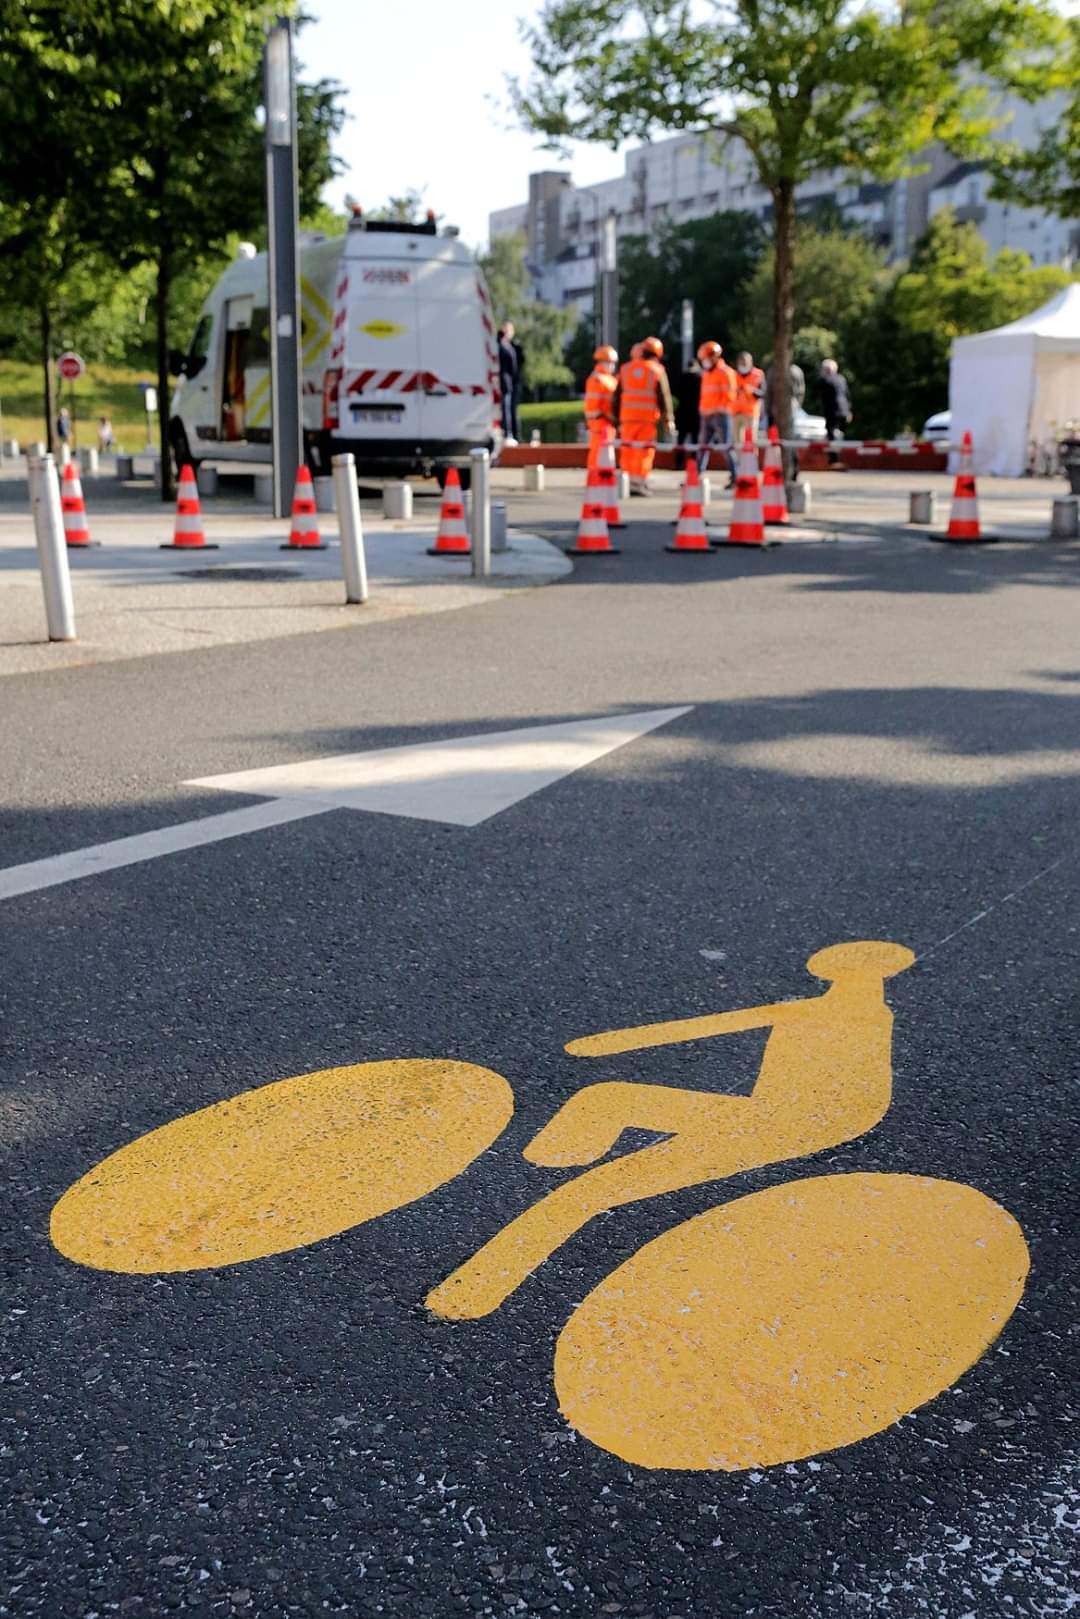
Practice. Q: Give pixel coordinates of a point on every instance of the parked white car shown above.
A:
(938, 427)
(807, 426)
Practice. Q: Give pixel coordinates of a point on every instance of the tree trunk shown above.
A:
(50, 379)
(783, 312)
(161, 309)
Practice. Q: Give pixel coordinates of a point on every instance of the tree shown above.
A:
(804, 85)
(711, 261)
(834, 278)
(898, 348)
(541, 329)
(180, 147)
(408, 209)
(1048, 176)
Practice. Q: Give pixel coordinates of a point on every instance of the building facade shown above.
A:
(691, 176)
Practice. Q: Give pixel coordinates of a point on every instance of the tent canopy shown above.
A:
(1017, 383)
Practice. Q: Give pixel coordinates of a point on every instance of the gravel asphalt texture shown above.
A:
(884, 743)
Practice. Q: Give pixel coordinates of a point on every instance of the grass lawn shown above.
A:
(102, 390)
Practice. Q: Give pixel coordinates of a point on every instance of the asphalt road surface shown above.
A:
(879, 742)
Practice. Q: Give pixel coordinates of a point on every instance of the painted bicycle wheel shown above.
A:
(282, 1166)
(790, 1322)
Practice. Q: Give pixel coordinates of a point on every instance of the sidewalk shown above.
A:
(133, 599)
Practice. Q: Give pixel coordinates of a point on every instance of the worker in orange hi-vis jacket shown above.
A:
(600, 389)
(644, 400)
(716, 402)
(749, 392)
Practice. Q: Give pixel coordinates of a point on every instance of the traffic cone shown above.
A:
(964, 522)
(604, 479)
(452, 539)
(593, 539)
(76, 529)
(773, 493)
(690, 532)
(747, 523)
(304, 533)
(188, 533)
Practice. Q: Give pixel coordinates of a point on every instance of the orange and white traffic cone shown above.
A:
(604, 480)
(747, 523)
(773, 493)
(304, 532)
(964, 517)
(76, 527)
(188, 532)
(452, 539)
(690, 532)
(593, 539)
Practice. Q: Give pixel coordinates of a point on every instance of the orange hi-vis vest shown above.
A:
(717, 390)
(747, 391)
(600, 398)
(639, 385)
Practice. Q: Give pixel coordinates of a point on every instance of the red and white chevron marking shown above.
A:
(407, 382)
(341, 319)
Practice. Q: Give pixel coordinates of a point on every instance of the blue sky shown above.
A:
(426, 95)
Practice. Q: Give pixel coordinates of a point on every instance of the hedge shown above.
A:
(557, 420)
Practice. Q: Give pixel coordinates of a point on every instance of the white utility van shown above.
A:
(400, 363)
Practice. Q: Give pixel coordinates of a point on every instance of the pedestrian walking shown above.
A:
(63, 425)
(796, 391)
(105, 435)
(835, 404)
(508, 381)
(600, 390)
(749, 392)
(644, 400)
(715, 404)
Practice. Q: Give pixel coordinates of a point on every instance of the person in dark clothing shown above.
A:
(835, 403)
(508, 381)
(519, 381)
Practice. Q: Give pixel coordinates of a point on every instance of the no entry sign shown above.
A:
(70, 365)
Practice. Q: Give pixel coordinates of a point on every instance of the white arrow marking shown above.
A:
(460, 783)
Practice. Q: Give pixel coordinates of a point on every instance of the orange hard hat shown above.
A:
(653, 346)
(709, 351)
(607, 353)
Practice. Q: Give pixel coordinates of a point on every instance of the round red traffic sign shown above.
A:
(70, 365)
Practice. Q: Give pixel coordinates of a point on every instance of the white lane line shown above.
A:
(1004, 900)
(66, 868)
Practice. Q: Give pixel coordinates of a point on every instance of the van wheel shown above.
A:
(464, 473)
(181, 449)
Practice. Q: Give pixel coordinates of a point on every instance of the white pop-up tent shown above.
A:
(1017, 383)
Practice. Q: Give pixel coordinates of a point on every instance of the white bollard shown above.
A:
(324, 494)
(623, 486)
(52, 549)
(207, 479)
(480, 520)
(921, 507)
(397, 501)
(1065, 518)
(125, 467)
(350, 529)
(264, 488)
(534, 437)
(11, 449)
(798, 497)
(498, 527)
(706, 491)
(34, 451)
(533, 479)
(88, 461)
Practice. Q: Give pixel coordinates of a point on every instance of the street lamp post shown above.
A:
(609, 283)
(282, 213)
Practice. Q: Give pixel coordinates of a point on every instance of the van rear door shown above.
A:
(379, 393)
(456, 400)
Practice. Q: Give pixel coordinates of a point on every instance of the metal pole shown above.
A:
(52, 549)
(481, 515)
(350, 528)
(283, 227)
(687, 332)
(610, 283)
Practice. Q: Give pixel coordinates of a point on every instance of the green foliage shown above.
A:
(1049, 175)
(804, 85)
(711, 261)
(541, 329)
(104, 390)
(557, 419)
(811, 345)
(836, 274)
(897, 348)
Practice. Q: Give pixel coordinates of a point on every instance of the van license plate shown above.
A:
(385, 413)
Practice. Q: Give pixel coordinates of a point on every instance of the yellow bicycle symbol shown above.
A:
(778, 1325)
